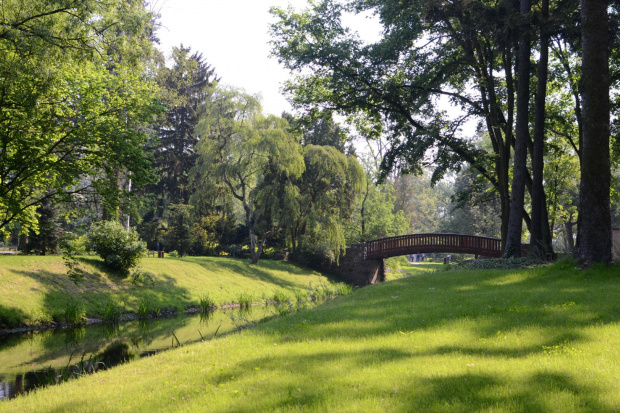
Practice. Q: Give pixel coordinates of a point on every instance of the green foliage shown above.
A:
(206, 234)
(245, 300)
(206, 303)
(239, 148)
(324, 203)
(144, 309)
(142, 277)
(397, 263)
(376, 216)
(10, 317)
(473, 209)
(70, 249)
(46, 239)
(74, 312)
(120, 249)
(178, 233)
(111, 313)
(77, 101)
(319, 128)
(280, 297)
(186, 85)
(423, 205)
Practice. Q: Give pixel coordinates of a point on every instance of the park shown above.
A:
(431, 222)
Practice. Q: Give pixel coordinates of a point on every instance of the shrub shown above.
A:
(120, 249)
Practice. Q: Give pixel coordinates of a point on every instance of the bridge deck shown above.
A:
(428, 243)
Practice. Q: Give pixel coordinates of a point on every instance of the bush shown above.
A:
(119, 248)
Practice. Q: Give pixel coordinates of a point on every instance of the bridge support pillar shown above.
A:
(355, 270)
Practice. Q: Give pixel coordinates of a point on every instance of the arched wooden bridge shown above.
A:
(429, 243)
(364, 263)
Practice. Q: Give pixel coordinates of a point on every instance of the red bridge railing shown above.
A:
(428, 243)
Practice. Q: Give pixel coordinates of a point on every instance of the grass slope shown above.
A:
(528, 340)
(37, 289)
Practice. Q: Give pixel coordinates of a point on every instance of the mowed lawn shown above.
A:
(528, 340)
(37, 289)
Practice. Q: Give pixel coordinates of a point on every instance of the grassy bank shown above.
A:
(37, 290)
(528, 340)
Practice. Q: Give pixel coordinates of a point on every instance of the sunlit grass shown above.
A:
(529, 340)
(37, 289)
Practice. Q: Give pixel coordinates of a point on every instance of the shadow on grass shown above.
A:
(257, 272)
(468, 391)
(11, 317)
(95, 291)
(558, 304)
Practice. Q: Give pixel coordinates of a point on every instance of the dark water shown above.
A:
(36, 359)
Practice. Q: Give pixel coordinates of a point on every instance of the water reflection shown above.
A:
(36, 359)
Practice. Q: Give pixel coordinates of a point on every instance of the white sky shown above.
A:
(233, 37)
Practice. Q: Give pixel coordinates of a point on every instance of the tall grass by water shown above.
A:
(36, 290)
(514, 340)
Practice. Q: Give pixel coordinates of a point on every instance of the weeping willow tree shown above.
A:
(245, 156)
(327, 194)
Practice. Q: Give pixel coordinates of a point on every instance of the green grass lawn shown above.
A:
(528, 340)
(37, 289)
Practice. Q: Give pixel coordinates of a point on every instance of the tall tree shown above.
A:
(522, 137)
(594, 229)
(457, 51)
(319, 128)
(186, 85)
(539, 248)
(76, 100)
(327, 193)
(239, 147)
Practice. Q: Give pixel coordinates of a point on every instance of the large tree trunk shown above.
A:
(522, 136)
(538, 248)
(568, 234)
(504, 155)
(594, 229)
(254, 254)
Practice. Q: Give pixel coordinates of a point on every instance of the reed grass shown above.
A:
(245, 300)
(206, 303)
(74, 313)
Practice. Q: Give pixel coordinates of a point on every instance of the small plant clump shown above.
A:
(74, 313)
(144, 309)
(206, 303)
(142, 277)
(279, 297)
(300, 296)
(245, 301)
(111, 313)
(120, 248)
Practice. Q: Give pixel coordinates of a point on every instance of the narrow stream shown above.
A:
(35, 359)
